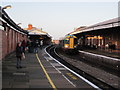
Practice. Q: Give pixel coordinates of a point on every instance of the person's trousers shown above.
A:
(19, 62)
(36, 50)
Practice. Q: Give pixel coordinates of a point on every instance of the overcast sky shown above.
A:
(60, 18)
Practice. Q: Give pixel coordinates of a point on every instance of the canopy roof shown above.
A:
(9, 21)
(36, 31)
(102, 25)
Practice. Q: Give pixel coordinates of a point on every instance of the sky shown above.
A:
(60, 18)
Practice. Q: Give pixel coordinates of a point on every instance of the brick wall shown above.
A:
(8, 40)
(4, 44)
(0, 44)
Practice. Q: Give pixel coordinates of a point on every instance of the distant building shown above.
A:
(38, 34)
(55, 41)
(34, 30)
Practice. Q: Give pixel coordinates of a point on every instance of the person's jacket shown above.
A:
(18, 51)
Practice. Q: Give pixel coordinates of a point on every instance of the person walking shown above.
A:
(23, 46)
(36, 46)
(41, 44)
(28, 45)
(19, 52)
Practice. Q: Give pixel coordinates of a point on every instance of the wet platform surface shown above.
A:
(33, 75)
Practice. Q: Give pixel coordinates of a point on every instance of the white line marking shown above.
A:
(55, 68)
(56, 64)
(19, 73)
(99, 55)
(63, 75)
(68, 80)
(90, 83)
(46, 58)
(61, 68)
(49, 58)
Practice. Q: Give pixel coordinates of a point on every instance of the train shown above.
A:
(69, 44)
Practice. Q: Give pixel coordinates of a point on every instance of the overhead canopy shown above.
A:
(102, 25)
(9, 21)
(36, 31)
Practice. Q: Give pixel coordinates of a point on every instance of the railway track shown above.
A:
(99, 83)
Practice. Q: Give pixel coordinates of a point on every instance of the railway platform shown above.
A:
(39, 71)
(113, 54)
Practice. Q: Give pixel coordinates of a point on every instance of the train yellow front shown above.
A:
(69, 43)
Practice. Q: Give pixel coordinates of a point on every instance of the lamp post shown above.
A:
(19, 23)
(6, 7)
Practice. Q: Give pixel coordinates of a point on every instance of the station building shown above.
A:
(103, 36)
(38, 34)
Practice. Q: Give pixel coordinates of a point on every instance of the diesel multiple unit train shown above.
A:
(69, 44)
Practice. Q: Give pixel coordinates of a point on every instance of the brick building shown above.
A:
(10, 35)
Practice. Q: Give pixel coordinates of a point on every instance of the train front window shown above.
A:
(66, 41)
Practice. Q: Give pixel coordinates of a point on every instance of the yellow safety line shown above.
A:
(48, 77)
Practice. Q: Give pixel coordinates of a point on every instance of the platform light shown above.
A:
(88, 37)
(6, 7)
(41, 38)
(92, 37)
(99, 37)
(95, 37)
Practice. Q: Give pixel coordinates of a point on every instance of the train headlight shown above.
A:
(66, 46)
(75, 46)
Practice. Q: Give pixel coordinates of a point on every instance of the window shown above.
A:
(66, 41)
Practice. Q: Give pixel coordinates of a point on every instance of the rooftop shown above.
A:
(102, 25)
